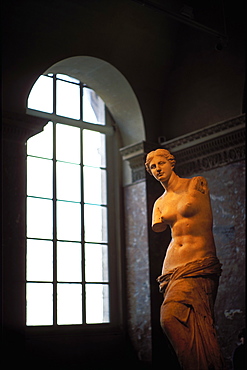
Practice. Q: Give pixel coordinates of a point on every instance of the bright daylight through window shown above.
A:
(67, 278)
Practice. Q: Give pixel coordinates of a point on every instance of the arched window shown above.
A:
(71, 226)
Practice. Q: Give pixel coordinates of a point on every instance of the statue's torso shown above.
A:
(188, 212)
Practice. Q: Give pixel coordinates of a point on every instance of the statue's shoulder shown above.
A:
(199, 183)
(159, 200)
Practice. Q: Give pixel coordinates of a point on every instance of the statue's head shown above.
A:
(161, 153)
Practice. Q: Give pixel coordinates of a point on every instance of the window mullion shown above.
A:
(82, 236)
(81, 101)
(107, 129)
(54, 94)
(54, 228)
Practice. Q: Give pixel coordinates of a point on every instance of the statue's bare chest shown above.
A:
(174, 206)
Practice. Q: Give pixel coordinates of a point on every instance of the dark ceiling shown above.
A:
(144, 40)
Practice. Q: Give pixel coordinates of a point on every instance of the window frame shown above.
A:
(113, 168)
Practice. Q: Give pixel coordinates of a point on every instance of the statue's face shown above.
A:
(161, 168)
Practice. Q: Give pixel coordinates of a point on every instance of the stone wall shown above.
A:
(137, 271)
(227, 191)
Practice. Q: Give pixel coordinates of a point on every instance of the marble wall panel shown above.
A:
(227, 192)
(137, 270)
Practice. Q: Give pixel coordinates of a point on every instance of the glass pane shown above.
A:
(69, 304)
(96, 263)
(68, 143)
(93, 107)
(68, 221)
(39, 260)
(39, 304)
(95, 223)
(97, 303)
(67, 78)
(69, 262)
(68, 99)
(94, 180)
(39, 218)
(39, 177)
(41, 145)
(94, 149)
(68, 181)
(41, 95)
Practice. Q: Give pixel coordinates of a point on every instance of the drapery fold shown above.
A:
(187, 313)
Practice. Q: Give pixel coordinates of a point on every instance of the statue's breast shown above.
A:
(187, 206)
(178, 205)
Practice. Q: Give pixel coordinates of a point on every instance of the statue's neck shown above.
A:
(171, 183)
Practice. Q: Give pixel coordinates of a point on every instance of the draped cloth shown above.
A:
(187, 313)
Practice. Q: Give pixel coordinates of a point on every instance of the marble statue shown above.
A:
(191, 269)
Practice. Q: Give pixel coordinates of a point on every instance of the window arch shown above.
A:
(72, 237)
(113, 88)
(117, 94)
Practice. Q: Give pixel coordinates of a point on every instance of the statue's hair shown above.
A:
(162, 153)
